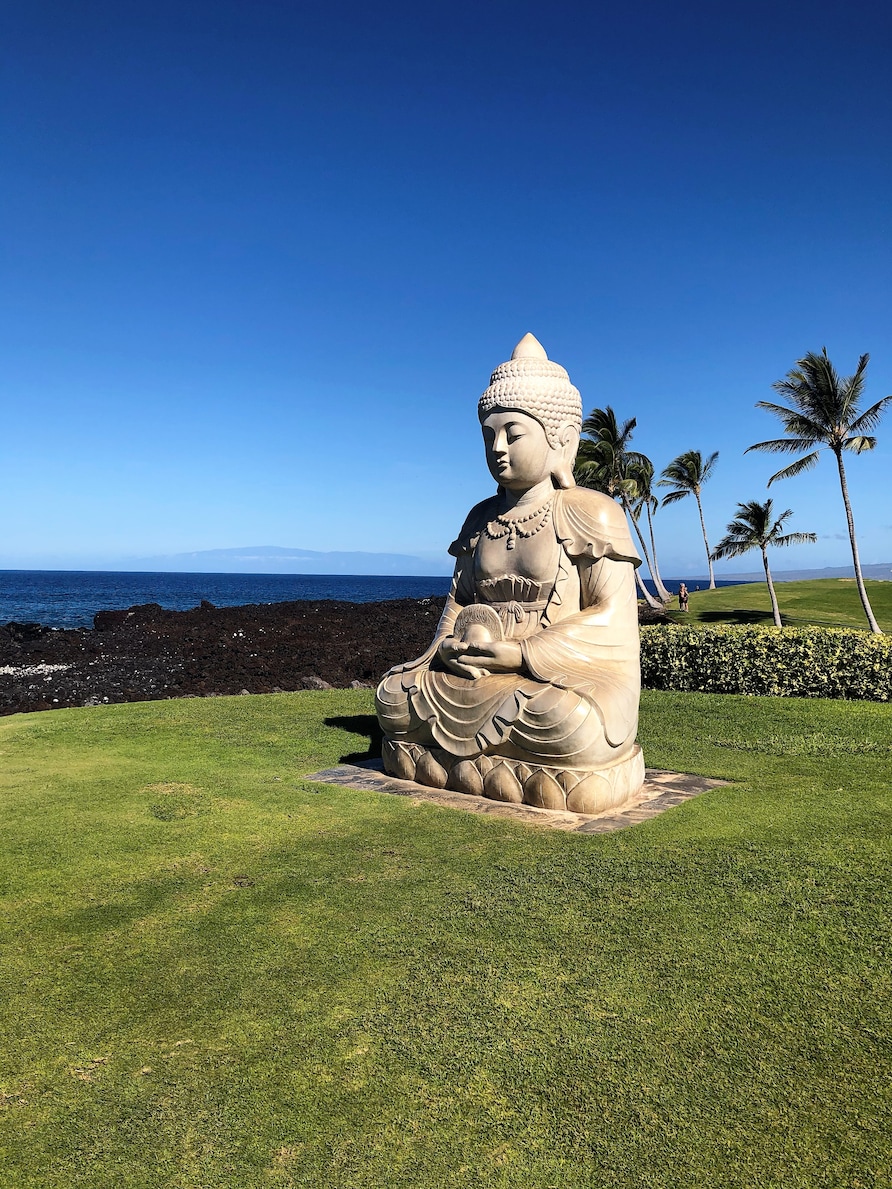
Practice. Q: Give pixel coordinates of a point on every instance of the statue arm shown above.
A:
(603, 630)
(594, 651)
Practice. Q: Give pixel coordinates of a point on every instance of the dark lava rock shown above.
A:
(147, 652)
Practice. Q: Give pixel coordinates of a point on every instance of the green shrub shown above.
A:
(801, 662)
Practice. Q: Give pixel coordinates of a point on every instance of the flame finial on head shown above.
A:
(533, 384)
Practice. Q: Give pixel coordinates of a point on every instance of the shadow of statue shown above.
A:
(359, 724)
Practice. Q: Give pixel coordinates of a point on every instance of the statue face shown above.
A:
(517, 451)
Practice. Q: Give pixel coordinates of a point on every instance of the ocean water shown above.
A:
(70, 598)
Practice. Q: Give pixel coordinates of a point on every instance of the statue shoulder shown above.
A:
(591, 524)
(478, 516)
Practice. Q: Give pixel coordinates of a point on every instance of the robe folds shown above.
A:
(575, 702)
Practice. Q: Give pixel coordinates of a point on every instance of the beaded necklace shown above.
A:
(510, 526)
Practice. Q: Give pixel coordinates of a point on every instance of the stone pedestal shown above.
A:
(503, 779)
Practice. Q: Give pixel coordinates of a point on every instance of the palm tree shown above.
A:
(605, 463)
(642, 474)
(753, 528)
(604, 451)
(825, 413)
(686, 475)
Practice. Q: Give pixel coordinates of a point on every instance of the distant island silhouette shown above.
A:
(277, 559)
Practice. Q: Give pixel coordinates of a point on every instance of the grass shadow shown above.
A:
(359, 724)
(738, 616)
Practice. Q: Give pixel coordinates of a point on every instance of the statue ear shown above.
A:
(569, 439)
(562, 472)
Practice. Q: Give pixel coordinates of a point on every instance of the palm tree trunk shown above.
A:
(859, 578)
(705, 542)
(664, 594)
(774, 607)
(653, 603)
(649, 598)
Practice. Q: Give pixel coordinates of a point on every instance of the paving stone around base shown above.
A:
(662, 790)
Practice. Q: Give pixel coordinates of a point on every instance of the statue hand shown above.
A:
(450, 652)
(496, 656)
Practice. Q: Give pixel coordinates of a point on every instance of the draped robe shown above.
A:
(575, 702)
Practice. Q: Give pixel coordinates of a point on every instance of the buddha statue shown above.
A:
(529, 690)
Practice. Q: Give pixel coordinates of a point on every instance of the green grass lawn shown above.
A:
(218, 974)
(827, 602)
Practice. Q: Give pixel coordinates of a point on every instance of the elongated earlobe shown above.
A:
(562, 476)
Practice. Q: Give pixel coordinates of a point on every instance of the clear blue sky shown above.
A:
(261, 257)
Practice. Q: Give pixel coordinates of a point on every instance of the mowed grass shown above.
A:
(826, 602)
(216, 973)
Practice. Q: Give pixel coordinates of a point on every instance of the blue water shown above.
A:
(70, 598)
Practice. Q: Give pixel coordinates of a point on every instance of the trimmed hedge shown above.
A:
(806, 662)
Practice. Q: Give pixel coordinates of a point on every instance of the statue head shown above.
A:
(530, 383)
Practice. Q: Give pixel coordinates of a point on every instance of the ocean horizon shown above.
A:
(70, 598)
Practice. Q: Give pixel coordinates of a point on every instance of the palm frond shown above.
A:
(634, 463)
(852, 388)
(754, 514)
(732, 548)
(778, 410)
(674, 496)
(783, 445)
(643, 500)
(601, 424)
(627, 488)
(775, 529)
(738, 529)
(589, 451)
(795, 539)
(709, 466)
(688, 470)
(870, 418)
(859, 444)
(592, 476)
(796, 468)
(798, 422)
